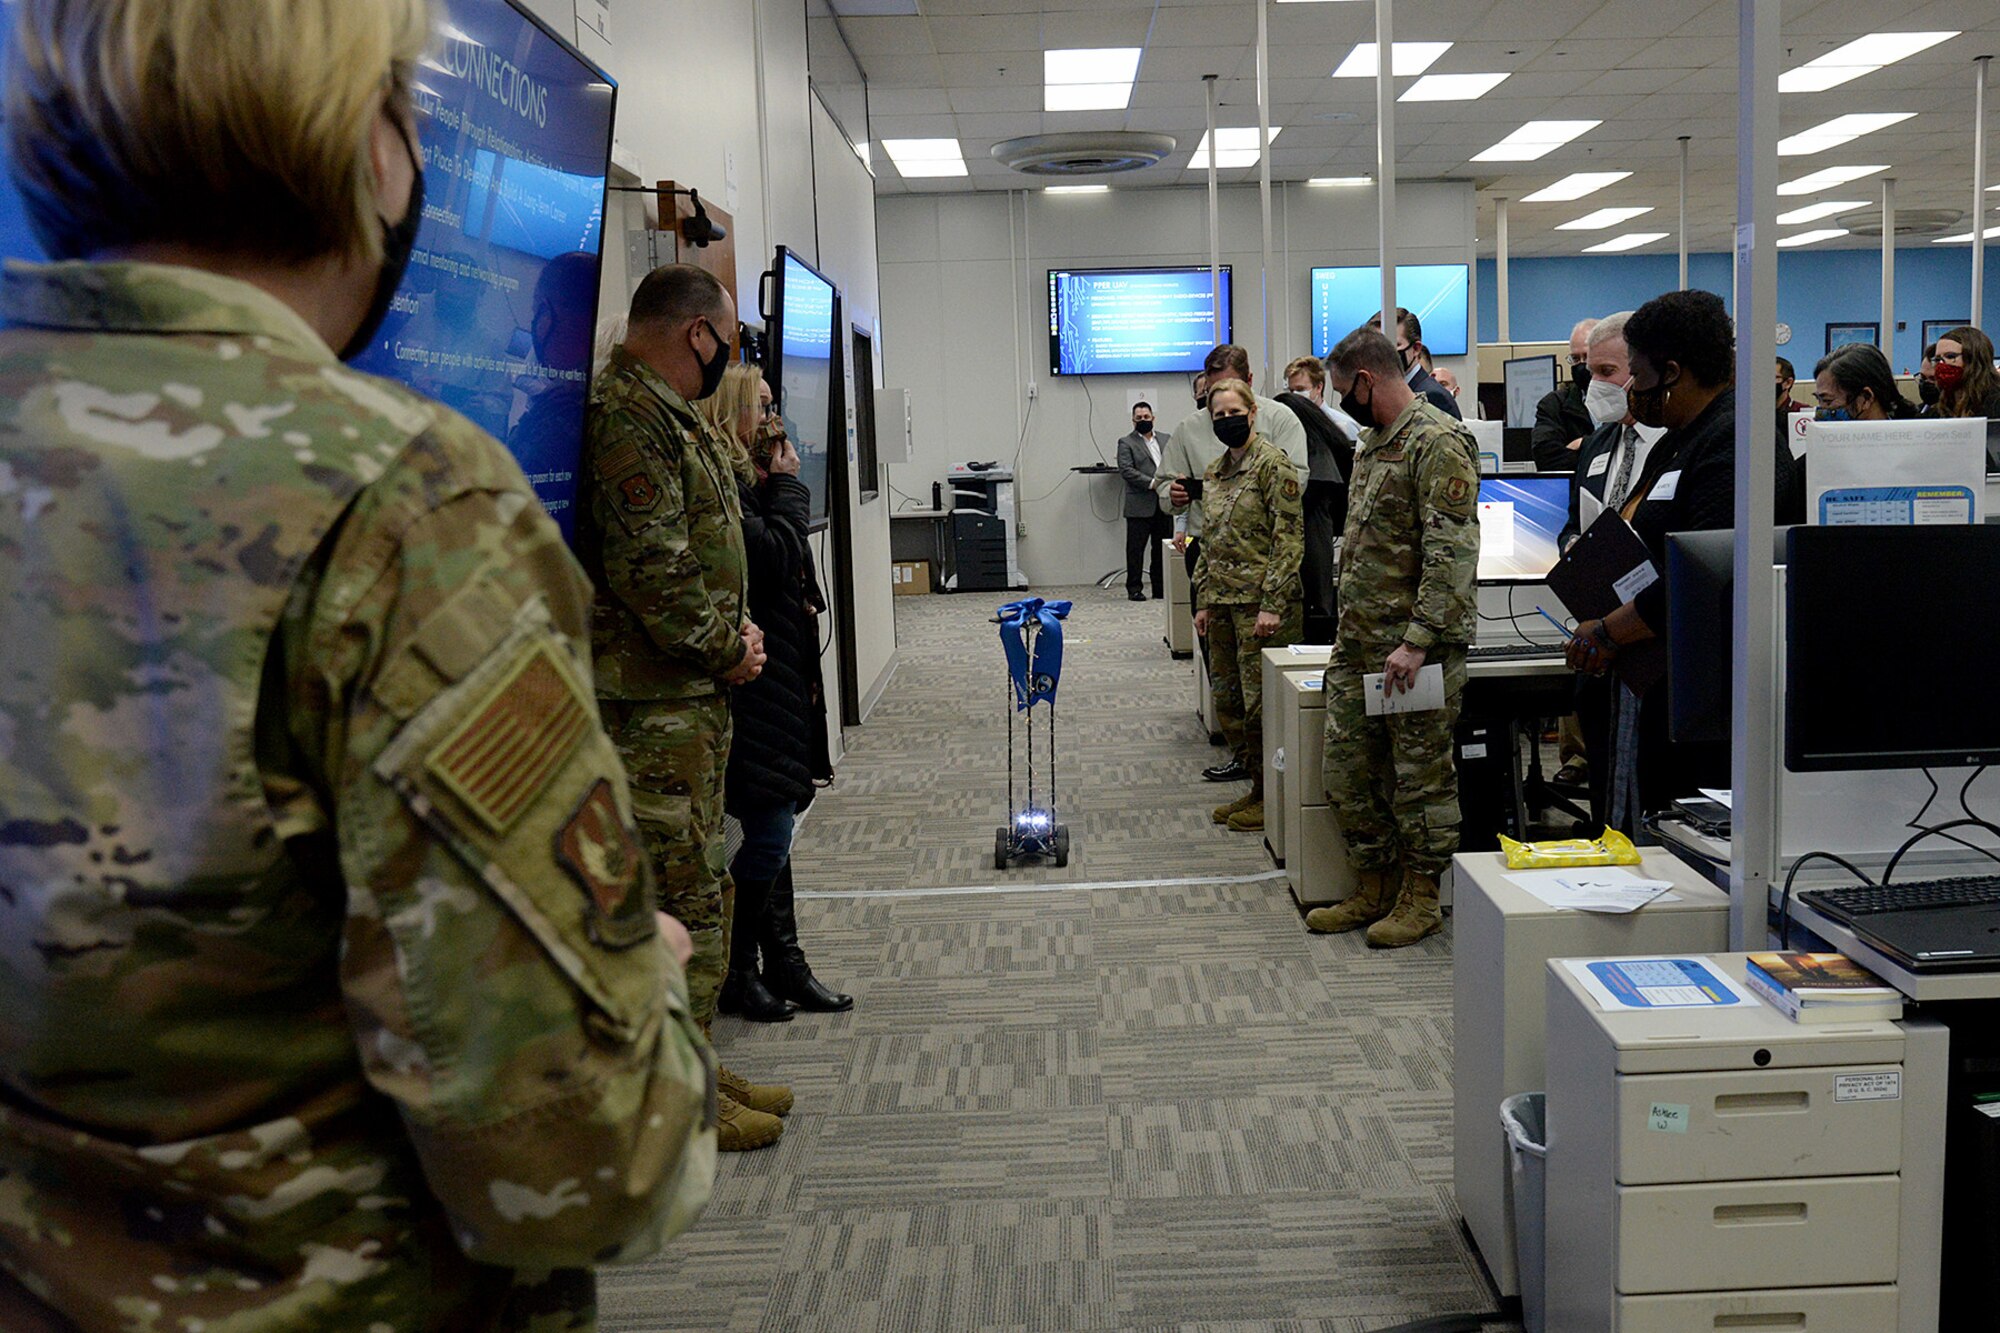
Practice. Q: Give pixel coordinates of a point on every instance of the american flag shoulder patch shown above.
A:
(499, 759)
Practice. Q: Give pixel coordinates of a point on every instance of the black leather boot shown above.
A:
(785, 969)
(743, 991)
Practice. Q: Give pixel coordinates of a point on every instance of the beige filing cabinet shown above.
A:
(1728, 1168)
(1315, 853)
(1179, 604)
(1502, 938)
(1275, 665)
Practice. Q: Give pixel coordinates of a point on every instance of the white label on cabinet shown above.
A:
(1667, 1118)
(1885, 1086)
(1472, 752)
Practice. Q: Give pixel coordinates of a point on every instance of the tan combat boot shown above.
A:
(1248, 817)
(1222, 814)
(1415, 916)
(1372, 900)
(767, 1098)
(740, 1129)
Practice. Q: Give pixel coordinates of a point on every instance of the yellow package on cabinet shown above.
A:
(1611, 849)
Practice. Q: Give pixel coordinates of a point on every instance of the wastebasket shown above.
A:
(1525, 1118)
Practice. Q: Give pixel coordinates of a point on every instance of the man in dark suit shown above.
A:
(1561, 423)
(1146, 525)
(1409, 339)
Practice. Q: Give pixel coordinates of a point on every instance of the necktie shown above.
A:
(1614, 496)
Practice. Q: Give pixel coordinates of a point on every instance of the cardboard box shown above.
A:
(910, 578)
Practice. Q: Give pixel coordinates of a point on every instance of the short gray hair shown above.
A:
(1583, 326)
(1611, 326)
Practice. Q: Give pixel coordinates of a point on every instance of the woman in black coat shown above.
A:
(779, 756)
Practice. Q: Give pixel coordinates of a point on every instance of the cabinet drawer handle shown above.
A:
(1758, 1214)
(1762, 1103)
(1788, 1319)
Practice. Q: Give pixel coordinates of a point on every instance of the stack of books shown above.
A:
(1822, 988)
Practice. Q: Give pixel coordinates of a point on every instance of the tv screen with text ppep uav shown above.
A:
(1134, 321)
(498, 312)
(1439, 295)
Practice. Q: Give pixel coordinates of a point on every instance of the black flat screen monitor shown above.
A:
(1701, 631)
(1134, 321)
(800, 364)
(498, 313)
(1857, 605)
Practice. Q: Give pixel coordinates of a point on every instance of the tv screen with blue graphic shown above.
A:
(497, 315)
(800, 366)
(1133, 321)
(1520, 519)
(1439, 295)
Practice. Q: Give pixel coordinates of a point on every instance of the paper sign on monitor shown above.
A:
(1496, 529)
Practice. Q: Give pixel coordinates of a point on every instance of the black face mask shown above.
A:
(398, 242)
(1144, 427)
(1234, 432)
(1201, 401)
(712, 368)
(1579, 375)
(1355, 408)
(1929, 392)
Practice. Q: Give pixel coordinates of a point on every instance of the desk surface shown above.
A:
(931, 515)
(1489, 871)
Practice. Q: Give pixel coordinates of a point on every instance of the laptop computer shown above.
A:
(1962, 937)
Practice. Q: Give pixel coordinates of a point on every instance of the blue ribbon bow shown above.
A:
(1035, 670)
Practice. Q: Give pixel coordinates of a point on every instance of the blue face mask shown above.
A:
(1833, 414)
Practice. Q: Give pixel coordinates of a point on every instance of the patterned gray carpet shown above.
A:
(1110, 1107)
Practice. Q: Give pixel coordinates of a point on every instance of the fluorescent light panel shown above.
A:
(1602, 218)
(1808, 237)
(1864, 55)
(1409, 58)
(1630, 241)
(1965, 237)
(1086, 97)
(1452, 87)
(1827, 178)
(925, 157)
(1537, 138)
(1814, 212)
(1235, 147)
(1076, 189)
(1340, 181)
(1089, 78)
(1574, 186)
(1839, 130)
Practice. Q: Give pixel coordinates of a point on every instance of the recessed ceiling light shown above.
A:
(1629, 241)
(1086, 97)
(1537, 138)
(925, 157)
(1839, 130)
(1574, 186)
(1864, 55)
(1808, 237)
(1452, 87)
(1992, 234)
(1233, 148)
(1346, 181)
(1602, 218)
(1827, 178)
(1093, 78)
(1076, 189)
(1814, 212)
(1410, 58)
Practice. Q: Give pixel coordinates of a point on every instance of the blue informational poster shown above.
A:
(1663, 983)
(1439, 295)
(1133, 321)
(498, 313)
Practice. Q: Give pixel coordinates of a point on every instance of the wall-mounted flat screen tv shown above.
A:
(1439, 295)
(1133, 321)
(800, 365)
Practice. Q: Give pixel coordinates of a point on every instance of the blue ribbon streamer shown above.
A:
(1035, 671)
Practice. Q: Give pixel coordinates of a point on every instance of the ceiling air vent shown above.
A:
(1084, 153)
(1909, 221)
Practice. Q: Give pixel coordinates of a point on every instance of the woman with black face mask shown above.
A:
(1247, 591)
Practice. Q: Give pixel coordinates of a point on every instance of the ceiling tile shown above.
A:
(1006, 32)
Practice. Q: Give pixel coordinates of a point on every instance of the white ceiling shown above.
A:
(1651, 70)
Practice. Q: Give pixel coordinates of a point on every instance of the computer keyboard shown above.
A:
(1503, 652)
(1915, 895)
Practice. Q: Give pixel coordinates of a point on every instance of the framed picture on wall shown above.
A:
(1937, 328)
(1839, 335)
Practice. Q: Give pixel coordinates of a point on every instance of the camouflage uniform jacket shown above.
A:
(331, 990)
(1409, 561)
(1253, 531)
(660, 530)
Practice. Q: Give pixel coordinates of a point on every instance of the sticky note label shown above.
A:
(1886, 1086)
(1667, 1118)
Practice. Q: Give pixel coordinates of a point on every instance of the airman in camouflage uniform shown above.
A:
(660, 529)
(1408, 579)
(332, 994)
(1246, 587)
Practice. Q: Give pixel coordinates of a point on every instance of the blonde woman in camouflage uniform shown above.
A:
(1246, 579)
(333, 995)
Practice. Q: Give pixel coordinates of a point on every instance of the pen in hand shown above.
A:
(1567, 632)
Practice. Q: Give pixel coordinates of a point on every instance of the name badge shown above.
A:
(1664, 488)
(1597, 466)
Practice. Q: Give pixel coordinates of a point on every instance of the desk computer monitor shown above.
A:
(1867, 685)
(1529, 379)
(1701, 631)
(1520, 518)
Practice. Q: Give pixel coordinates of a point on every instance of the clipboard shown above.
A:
(1602, 570)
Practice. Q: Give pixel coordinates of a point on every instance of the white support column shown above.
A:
(1684, 212)
(1270, 380)
(1979, 192)
(1214, 217)
(1754, 844)
(1887, 342)
(1385, 156)
(1500, 269)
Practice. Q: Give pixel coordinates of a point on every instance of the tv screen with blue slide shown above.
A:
(498, 312)
(1439, 295)
(1520, 519)
(1133, 321)
(800, 367)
